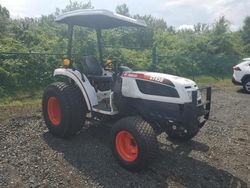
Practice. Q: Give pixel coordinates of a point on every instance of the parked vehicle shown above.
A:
(241, 75)
(144, 104)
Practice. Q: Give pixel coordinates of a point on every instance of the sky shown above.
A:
(178, 13)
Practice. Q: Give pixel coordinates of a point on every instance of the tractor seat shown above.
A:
(93, 70)
(91, 66)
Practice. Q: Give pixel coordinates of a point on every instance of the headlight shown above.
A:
(190, 94)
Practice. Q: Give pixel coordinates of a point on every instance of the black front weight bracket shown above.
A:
(206, 105)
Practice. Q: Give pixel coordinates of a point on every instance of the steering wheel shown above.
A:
(116, 67)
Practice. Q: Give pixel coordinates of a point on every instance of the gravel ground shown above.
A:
(219, 156)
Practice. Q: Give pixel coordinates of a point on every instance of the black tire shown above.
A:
(246, 85)
(72, 107)
(145, 139)
(181, 133)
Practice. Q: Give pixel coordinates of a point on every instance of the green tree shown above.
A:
(122, 9)
(153, 23)
(246, 35)
(201, 28)
(221, 53)
(221, 26)
(4, 19)
(74, 5)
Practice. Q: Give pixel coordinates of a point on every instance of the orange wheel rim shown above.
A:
(54, 111)
(126, 146)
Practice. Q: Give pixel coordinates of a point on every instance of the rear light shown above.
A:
(236, 68)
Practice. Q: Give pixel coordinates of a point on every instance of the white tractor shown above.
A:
(144, 104)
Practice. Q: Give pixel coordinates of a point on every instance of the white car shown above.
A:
(241, 75)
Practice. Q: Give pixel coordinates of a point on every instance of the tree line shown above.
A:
(209, 50)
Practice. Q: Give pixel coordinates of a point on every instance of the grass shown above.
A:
(21, 98)
(9, 102)
(22, 104)
(223, 84)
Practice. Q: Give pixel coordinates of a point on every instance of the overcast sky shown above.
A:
(179, 13)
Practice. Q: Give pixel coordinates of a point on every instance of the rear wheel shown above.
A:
(134, 143)
(64, 109)
(246, 85)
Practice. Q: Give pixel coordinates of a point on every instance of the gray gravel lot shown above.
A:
(219, 156)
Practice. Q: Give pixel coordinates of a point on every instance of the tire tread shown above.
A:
(144, 134)
(74, 104)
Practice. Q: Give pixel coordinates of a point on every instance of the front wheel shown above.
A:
(64, 109)
(134, 143)
(246, 85)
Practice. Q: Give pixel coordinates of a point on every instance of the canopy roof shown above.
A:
(99, 19)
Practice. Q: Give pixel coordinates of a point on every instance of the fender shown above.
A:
(84, 85)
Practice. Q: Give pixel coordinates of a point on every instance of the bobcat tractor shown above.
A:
(141, 104)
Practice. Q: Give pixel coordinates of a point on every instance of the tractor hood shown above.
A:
(172, 78)
(161, 78)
